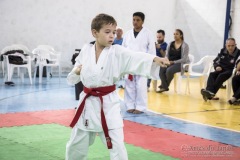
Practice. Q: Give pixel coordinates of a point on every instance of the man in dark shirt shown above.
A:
(223, 65)
(161, 45)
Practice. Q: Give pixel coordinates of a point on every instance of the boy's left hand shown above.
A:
(78, 69)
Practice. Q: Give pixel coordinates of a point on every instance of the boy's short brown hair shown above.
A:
(102, 19)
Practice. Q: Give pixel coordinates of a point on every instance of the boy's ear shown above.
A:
(94, 33)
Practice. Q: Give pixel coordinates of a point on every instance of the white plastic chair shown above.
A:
(45, 57)
(47, 47)
(229, 84)
(207, 63)
(3, 70)
(52, 50)
(178, 76)
(10, 67)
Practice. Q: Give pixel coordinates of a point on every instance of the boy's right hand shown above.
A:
(163, 62)
(78, 70)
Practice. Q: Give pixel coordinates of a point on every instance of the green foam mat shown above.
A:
(48, 141)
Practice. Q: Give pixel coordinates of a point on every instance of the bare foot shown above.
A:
(130, 110)
(137, 112)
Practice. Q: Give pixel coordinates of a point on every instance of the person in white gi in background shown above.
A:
(99, 66)
(142, 40)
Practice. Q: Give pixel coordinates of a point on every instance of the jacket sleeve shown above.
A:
(167, 51)
(136, 63)
(216, 61)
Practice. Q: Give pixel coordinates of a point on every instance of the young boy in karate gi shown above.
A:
(99, 66)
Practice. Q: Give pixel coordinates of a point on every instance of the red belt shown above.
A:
(97, 92)
(130, 77)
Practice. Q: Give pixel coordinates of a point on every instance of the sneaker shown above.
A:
(207, 94)
(237, 102)
(211, 93)
(160, 87)
(232, 100)
(162, 90)
(204, 95)
(215, 98)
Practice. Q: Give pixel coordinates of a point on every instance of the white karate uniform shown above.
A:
(114, 62)
(135, 94)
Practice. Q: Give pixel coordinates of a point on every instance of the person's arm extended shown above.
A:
(163, 62)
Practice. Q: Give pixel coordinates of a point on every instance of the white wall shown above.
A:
(203, 23)
(66, 24)
(235, 14)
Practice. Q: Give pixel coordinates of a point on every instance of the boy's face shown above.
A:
(137, 22)
(105, 36)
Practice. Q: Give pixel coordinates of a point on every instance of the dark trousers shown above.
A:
(167, 74)
(148, 82)
(216, 79)
(236, 86)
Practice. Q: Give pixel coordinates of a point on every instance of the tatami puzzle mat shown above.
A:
(43, 135)
(47, 142)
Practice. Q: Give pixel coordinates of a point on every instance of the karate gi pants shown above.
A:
(135, 94)
(77, 146)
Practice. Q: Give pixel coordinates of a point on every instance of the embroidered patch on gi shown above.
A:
(86, 123)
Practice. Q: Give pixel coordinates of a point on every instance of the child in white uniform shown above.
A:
(99, 66)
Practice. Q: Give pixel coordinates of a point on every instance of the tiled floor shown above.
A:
(58, 95)
(23, 97)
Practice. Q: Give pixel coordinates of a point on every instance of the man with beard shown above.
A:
(161, 47)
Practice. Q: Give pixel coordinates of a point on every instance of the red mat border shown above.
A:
(164, 141)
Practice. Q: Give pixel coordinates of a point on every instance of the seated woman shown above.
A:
(177, 53)
(236, 86)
